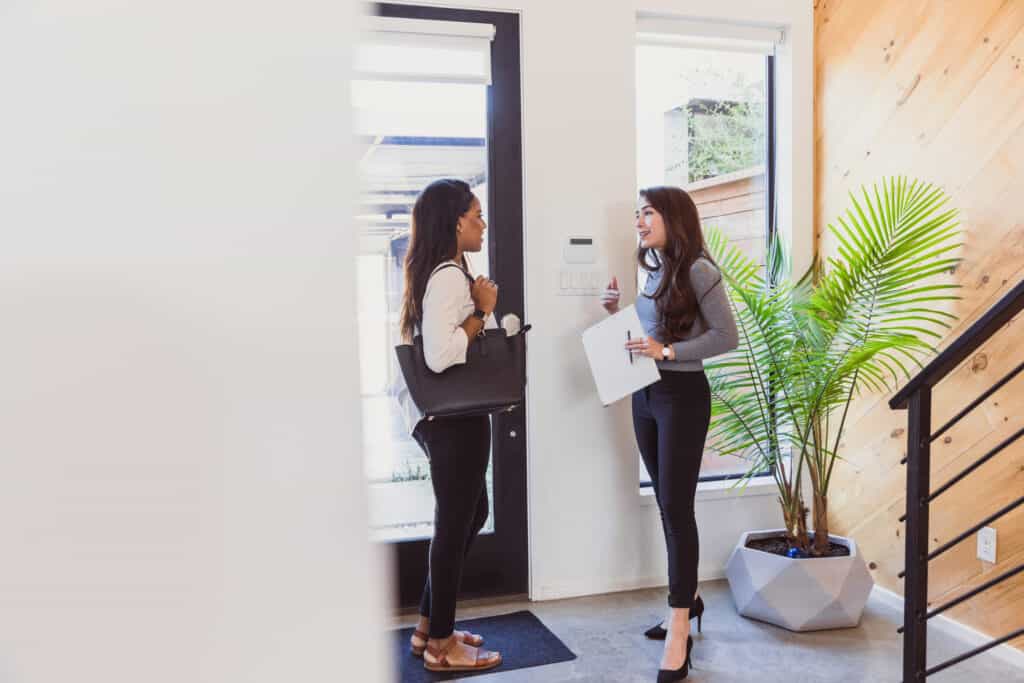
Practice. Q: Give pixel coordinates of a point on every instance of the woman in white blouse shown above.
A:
(449, 309)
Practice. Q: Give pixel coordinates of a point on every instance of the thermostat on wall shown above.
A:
(580, 250)
(578, 275)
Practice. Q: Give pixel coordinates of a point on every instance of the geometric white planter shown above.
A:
(807, 594)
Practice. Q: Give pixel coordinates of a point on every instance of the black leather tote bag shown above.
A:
(493, 378)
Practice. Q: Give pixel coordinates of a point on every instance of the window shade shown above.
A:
(421, 50)
(707, 35)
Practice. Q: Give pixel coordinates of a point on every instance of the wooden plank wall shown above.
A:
(934, 89)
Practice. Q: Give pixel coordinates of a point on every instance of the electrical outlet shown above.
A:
(987, 544)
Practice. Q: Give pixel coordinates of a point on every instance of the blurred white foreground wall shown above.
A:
(181, 495)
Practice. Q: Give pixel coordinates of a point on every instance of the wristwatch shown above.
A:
(665, 351)
(480, 314)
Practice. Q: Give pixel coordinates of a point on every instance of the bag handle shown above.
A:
(469, 278)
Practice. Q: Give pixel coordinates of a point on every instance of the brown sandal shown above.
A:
(483, 661)
(461, 636)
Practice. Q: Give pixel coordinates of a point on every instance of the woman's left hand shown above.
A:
(645, 346)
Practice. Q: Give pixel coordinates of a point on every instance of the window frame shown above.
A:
(762, 479)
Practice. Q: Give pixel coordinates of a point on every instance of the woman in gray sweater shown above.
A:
(687, 317)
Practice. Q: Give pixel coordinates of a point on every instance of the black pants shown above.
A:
(458, 449)
(670, 419)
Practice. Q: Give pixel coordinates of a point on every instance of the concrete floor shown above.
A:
(606, 632)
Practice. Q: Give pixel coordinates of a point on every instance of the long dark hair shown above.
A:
(675, 298)
(433, 240)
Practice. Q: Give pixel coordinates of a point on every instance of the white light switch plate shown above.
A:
(581, 281)
(987, 544)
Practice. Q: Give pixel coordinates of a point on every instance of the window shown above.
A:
(705, 112)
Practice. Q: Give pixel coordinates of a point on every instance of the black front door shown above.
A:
(416, 128)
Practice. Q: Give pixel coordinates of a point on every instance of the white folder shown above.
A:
(615, 375)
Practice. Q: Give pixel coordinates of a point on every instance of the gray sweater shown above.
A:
(714, 330)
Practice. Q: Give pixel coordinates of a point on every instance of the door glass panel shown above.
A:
(410, 135)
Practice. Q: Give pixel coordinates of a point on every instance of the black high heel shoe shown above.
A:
(670, 675)
(658, 632)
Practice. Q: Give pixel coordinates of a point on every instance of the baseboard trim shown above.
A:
(971, 637)
(577, 589)
(888, 597)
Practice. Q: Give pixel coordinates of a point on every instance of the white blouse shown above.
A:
(446, 305)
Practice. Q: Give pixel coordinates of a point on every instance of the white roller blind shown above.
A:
(702, 34)
(421, 50)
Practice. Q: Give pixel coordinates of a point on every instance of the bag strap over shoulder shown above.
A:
(449, 264)
(442, 266)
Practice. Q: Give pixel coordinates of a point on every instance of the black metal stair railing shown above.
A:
(916, 398)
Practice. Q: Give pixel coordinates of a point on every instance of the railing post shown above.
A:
(915, 637)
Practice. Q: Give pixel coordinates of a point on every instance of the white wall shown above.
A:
(181, 496)
(590, 531)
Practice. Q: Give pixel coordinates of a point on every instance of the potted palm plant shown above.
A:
(808, 347)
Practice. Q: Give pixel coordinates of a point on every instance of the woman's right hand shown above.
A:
(485, 294)
(610, 296)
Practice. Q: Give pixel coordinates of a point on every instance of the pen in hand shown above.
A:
(629, 351)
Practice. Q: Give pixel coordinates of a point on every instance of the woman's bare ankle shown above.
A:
(678, 621)
(442, 642)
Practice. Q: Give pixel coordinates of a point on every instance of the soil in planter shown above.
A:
(777, 545)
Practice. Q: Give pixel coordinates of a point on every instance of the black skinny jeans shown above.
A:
(458, 449)
(671, 419)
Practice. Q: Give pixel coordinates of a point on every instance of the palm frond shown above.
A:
(857, 322)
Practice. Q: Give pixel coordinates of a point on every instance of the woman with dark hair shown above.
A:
(687, 317)
(449, 309)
